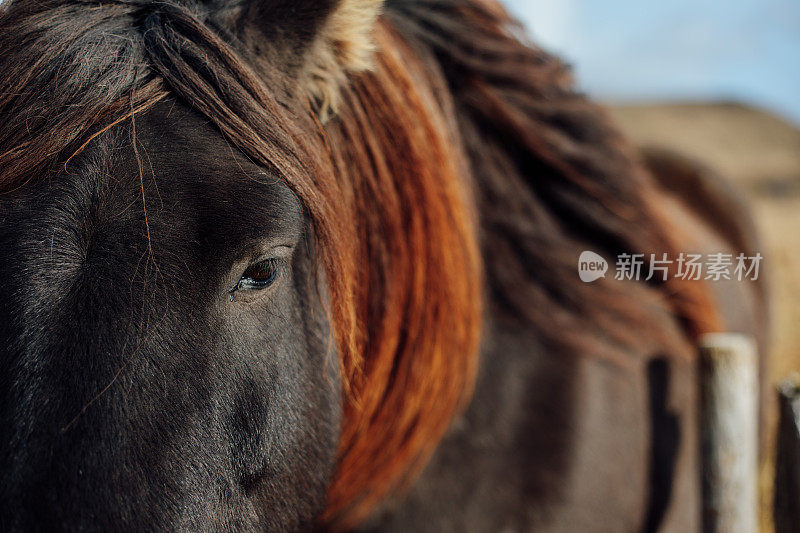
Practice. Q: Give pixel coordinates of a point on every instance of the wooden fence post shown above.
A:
(729, 432)
(787, 464)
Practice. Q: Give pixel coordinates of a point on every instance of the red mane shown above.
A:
(418, 284)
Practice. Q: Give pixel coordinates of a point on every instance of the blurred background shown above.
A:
(626, 50)
(718, 81)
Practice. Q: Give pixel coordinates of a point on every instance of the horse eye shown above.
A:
(259, 275)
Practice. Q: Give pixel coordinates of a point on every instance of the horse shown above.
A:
(312, 265)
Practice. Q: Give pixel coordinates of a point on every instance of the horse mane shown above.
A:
(400, 151)
(458, 114)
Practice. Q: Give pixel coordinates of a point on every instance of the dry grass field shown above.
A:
(761, 153)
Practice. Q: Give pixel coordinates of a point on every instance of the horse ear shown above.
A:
(343, 46)
(321, 41)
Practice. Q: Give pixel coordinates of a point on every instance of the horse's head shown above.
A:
(206, 299)
(165, 348)
(164, 365)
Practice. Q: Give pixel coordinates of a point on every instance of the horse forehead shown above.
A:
(162, 171)
(166, 184)
(190, 159)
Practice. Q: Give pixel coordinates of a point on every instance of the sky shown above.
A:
(638, 50)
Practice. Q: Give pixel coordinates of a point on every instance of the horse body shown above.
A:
(175, 275)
